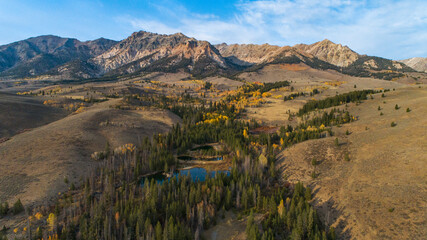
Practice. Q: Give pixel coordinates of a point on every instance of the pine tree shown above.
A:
(337, 143)
(17, 207)
(159, 231)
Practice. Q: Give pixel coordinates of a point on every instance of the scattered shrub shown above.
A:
(17, 207)
(4, 208)
(346, 157)
(313, 175)
(313, 162)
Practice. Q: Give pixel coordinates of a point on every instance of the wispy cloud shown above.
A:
(388, 28)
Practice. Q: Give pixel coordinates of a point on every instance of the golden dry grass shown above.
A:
(19, 113)
(35, 163)
(381, 193)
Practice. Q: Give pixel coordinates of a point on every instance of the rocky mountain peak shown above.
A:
(145, 49)
(417, 63)
(331, 52)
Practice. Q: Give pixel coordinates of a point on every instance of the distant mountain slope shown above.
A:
(260, 55)
(328, 51)
(368, 66)
(417, 63)
(52, 57)
(35, 56)
(247, 54)
(144, 51)
(320, 55)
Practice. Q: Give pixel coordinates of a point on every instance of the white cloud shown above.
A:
(393, 29)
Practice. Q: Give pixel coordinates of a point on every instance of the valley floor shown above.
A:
(380, 193)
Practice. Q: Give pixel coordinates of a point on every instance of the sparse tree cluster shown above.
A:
(355, 96)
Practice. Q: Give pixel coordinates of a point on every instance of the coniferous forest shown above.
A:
(119, 200)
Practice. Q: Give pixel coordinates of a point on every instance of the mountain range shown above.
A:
(417, 63)
(52, 57)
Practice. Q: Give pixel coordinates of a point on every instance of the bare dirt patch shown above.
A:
(230, 227)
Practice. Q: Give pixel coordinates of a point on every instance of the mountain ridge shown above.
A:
(417, 63)
(68, 58)
(145, 49)
(37, 55)
(326, 50)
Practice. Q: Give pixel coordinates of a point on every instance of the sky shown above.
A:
(395, 29)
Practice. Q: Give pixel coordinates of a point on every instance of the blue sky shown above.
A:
(395, 29)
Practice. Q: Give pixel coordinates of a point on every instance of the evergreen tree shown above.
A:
(17, 207)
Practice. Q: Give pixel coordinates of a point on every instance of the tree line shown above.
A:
(355, 96)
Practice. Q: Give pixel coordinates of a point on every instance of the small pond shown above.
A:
(197, 174)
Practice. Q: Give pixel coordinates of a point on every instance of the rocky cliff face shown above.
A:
(417, 63)
(250, 54)
(35, 56)
(247, 54)
(260, 55)
(330, 52)
(325, 50)
(144, 50)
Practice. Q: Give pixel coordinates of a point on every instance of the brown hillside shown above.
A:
(35, 163)
(381, 192)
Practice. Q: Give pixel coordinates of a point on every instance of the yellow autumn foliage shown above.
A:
(263, 160)
(38, 215)
(334, 83)
(211, 118)
(54, 237)
(281, 208)
(51, 220)
(128, 147)
(80, 109)
(245, 133)
(266, 94)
